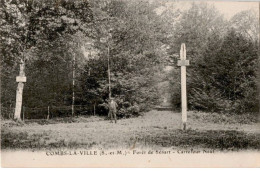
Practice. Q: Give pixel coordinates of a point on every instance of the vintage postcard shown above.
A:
(129, 83)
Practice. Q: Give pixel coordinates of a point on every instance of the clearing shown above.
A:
(154, 130)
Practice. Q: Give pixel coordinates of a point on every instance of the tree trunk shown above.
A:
(10, 111)
(73, 85)
(94, 108)
(108, 71)
(48, 116)
(19, 94)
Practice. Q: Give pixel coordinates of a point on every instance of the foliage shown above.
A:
(194, 28)
(139, 41)
(231, 85)
(135, 55)
(222, 76)
(27, 29)
(246, 23)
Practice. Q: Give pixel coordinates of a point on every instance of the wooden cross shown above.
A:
(183, 63)
(21, 79)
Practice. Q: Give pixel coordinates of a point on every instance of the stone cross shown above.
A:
(183, 63)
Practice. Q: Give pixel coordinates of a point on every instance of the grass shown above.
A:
(222, 139)
(155, 129)
(225, 118)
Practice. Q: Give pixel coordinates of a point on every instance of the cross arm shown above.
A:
(183, 63)
(20, 79)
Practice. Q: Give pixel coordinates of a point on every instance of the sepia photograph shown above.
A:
(129, 83)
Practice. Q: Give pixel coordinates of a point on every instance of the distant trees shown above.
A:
(46, 35)
(57, 30)
(27, 25)
(246, 23)
(131, 31)
(226, 76)
(222, 74)
(194, 28)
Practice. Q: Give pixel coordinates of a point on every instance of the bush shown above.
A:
(129, 111)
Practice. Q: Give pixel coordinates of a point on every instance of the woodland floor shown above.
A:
(153, 130)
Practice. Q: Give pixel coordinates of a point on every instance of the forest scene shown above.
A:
(78, 54)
